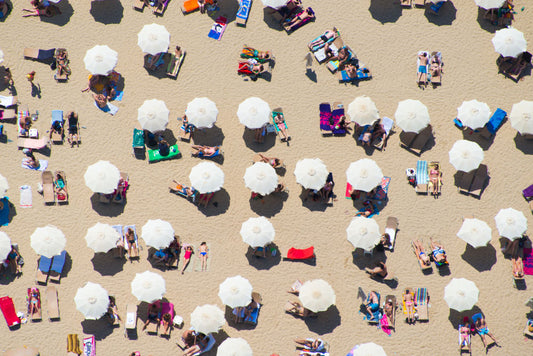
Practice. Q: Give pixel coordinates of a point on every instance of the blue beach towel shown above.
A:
(109, 108)
(218, 28)
(4, 212)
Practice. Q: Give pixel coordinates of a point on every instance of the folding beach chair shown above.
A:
(494, 124)
(130, 326)
(47, 181)
(422, 177)
(52, 304)
(58, 262)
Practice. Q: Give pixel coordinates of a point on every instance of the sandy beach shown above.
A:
(386, 38)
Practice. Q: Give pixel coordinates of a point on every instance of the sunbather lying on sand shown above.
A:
(274, 162)
(306, 15)
(249, 52)
(40, 8)
(34, 302)
(379, 271)
(298, 309)
(518, 267)
(204, 151)
(325, 38)
(368, 209)
(483, 331)
(421, 255)
(313, 345)
(100, 100)
(250, 66)
(187, 257)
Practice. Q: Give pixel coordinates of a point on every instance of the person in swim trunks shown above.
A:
(483, 331)
(203, 249)
(372, 304)
(422, 68)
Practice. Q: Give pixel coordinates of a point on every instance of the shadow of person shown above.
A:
(36, 90)
(385, 11)
(311, 74)
(107, 12)
(481, 258)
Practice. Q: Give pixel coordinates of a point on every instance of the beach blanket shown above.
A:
(4, 212)
(89, 346)
(422, 176)
(325, 115)
(383, 189)
(43, 164)
(26, 199)
(244, 10)
(374, 212)
(118, 94)
(218, 28)
(7, 101)
(384, 322)
(528, 261)
(109, 108)
(336, 116)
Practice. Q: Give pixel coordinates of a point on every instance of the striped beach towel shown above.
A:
(422, 176)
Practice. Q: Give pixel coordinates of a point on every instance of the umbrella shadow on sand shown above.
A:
(311, 204)
(9, 9)
(106, 264)
(106, 209)
(484, 23)
(268, 205)
(219, 204)
(249, 139)
(473, 136)
(270, 20)
(107, 12)
(99, 328)
(63, 11)
(481, 258)
(385, 10)
(456, 318)
(325, 322)
(523, 144)
(445, 17)
(263, 263)
(213, 136)
(227, 9)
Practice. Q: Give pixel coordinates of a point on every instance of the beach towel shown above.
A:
(422, 176)
(4, 212)
(336, 117)
(190, 266)
(384, 322)
(43, 164)
(218, 28)
(382, 190)
(528, 192)
(325, 115)
(26, 199)
(119, 94)
(198, 263)
(7, 101)
(244, 11)
(528, 261)
(374, 212)
(109, 108)
(89, 346)
(496, 121)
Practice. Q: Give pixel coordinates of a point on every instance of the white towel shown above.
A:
(43, 164)
(7, 101)
(26, 198)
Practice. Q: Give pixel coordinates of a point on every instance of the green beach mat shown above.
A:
(155, 156)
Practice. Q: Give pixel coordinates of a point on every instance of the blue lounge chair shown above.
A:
(43, 269)
(4, 211)
(58, 262)
(362, 74)
(494, 124)
(57, 116)
(436, 7)
(243, 12)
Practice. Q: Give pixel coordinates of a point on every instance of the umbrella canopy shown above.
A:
(153, 115)
(202, 113)
(254, 113)
(102, 177)
(466, 155)
(5, 246)
(317, 295)
(363, 233)
(257, 232)
(489, 4)
(148, 287)
(1, 56)
(475, 232)
(363, 111)
(511, 223)
(92, 300)
(521, 117)
(48, 241)
(364, 174)
(235, 292)
(4, 186)
(461, 294)
(100, 60)
(311, 173)
(261, 178)
(509, 42)
(275, 4)
(153, 39)
(367, 349)
(206, 177)
(102, 237)
(412, 116)
(207, 319)
(473, 114)
(234, 347)
(529, 303)
(158, 233)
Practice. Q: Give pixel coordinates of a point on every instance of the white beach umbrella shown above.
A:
(509, 42)
(489, 4)
(148, 287)
(1, 56)
(363, 233)
(473, 114)
(275, 4)
(412, 116)
(100, 60)
(529, 302)
(363, 111)
(364, 174)
(521, 117)
(254, 113)
(235, 292)
(261, 178)
(102, 177)
(257, 232)
(4, 186)
(202, 112)
(102, 237)
(92, 300)
(234, 346)
(5, 246)
(158, 233)
(48, 241)
(317, 295)
(207, 319)
(511, 223)
(311, 173)
(475, 232)
(206, 177)
(461, 294)
(153, 39)
(466, 155)
(153, 115)
(367, 349)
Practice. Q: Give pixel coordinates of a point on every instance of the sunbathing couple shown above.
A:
(103, 87)
(243, 313)
(191, 193)
(324, 194)
(154, 316)
(435, 67)
(194, 342)
(167, 256)
(437, 254)
(296, 308)
(41, 8)
(373, 133)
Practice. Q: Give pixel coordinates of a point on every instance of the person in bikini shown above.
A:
(280, 123)
(187, 257)
(203, 249)
(409, 300)
(250, 66)
(421, 255)
(274, 162)
(204, 151)
(435, 179)
(388, 309)
(292, 24)
(438, 253)
(464, 335)
(34, 302)
(130, 237)
(249, 52)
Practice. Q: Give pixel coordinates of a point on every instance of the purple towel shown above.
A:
(337, 114)
(325, 115)
(528, 192)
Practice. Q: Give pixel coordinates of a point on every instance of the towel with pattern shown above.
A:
(43, 164)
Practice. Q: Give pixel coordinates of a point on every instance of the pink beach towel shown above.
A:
(528, 261)
(384, 322)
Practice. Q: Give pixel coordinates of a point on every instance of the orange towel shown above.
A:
(190, 6)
